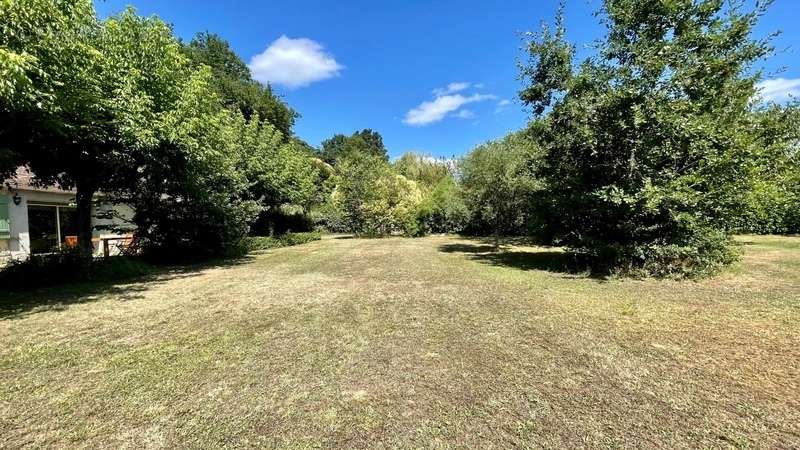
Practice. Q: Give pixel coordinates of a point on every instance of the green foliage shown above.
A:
(652, 147)
(370, 198)
(278, 172)
(70, 265)
(366, 142)
(117, 106)
(192, 200)
(256, 243)
(43, 49)
(94, 99)
(500, 182)
(442, 209)
(771, 205)
(549, 68)
(425, 170)
(235, 86)
(392, 206)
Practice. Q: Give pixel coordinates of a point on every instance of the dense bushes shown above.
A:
(74, 265)
(256, 243)
(369, 198)
(413, 196)
(70, 265)
(772, 205)
(500, 185)
(443, 209)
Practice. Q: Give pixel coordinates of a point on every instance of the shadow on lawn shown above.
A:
(546, 259)
(16, 305)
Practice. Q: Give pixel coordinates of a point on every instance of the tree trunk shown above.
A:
(83, 215)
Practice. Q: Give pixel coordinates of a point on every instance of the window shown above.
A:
(5, 220)
(50, 227)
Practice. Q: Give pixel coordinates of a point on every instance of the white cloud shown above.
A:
(502, 105)
(294, 63)
(779, 90)
(435, 110)
(452, 88)
(465, 114)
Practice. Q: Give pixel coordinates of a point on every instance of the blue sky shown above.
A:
(433, 76)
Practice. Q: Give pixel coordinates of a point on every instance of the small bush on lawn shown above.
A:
(700, 255)
(254, 243)
(69, 266)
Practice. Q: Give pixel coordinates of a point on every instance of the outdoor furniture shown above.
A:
(126, 245)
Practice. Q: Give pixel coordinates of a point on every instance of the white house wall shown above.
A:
(19, 244)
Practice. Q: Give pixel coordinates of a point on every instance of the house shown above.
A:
(36, 219)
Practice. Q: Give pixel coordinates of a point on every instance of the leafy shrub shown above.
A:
(500, 184)
(703, 254)
(443, 209)
(255, 243)
(329, 217)
(282, 220)
(370, 198)
(66, 266)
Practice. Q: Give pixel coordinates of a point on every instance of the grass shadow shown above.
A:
(16, 305)
(548, 259)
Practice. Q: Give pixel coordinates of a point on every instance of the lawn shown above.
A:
(431, 342)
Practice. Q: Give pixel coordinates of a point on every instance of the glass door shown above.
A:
(67, 222)
(51, 227)
(43, 228)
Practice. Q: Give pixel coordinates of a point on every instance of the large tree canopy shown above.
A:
(87, 97)
(651, 144)
(117, 107)
(235, 85)
(366, 142)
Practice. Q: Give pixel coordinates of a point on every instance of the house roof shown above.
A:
(25, 180)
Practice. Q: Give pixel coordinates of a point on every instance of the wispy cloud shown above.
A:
(502, 105)
(437, 109)
(294, 63)
(447, 102)
(779, 90)
(452, 88)
(465, 114)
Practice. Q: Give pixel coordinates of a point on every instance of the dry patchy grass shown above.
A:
(434, 343)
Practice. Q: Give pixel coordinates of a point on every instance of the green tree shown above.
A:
(442, 209)
(116, 107)
(365, 142)
(192, 199)
(235, 86)
(499, 183)
(651, 148)
(86, 96)
(424, 169)
(771, 205)
(370, 198)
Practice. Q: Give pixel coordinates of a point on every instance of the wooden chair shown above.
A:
(130, 246)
